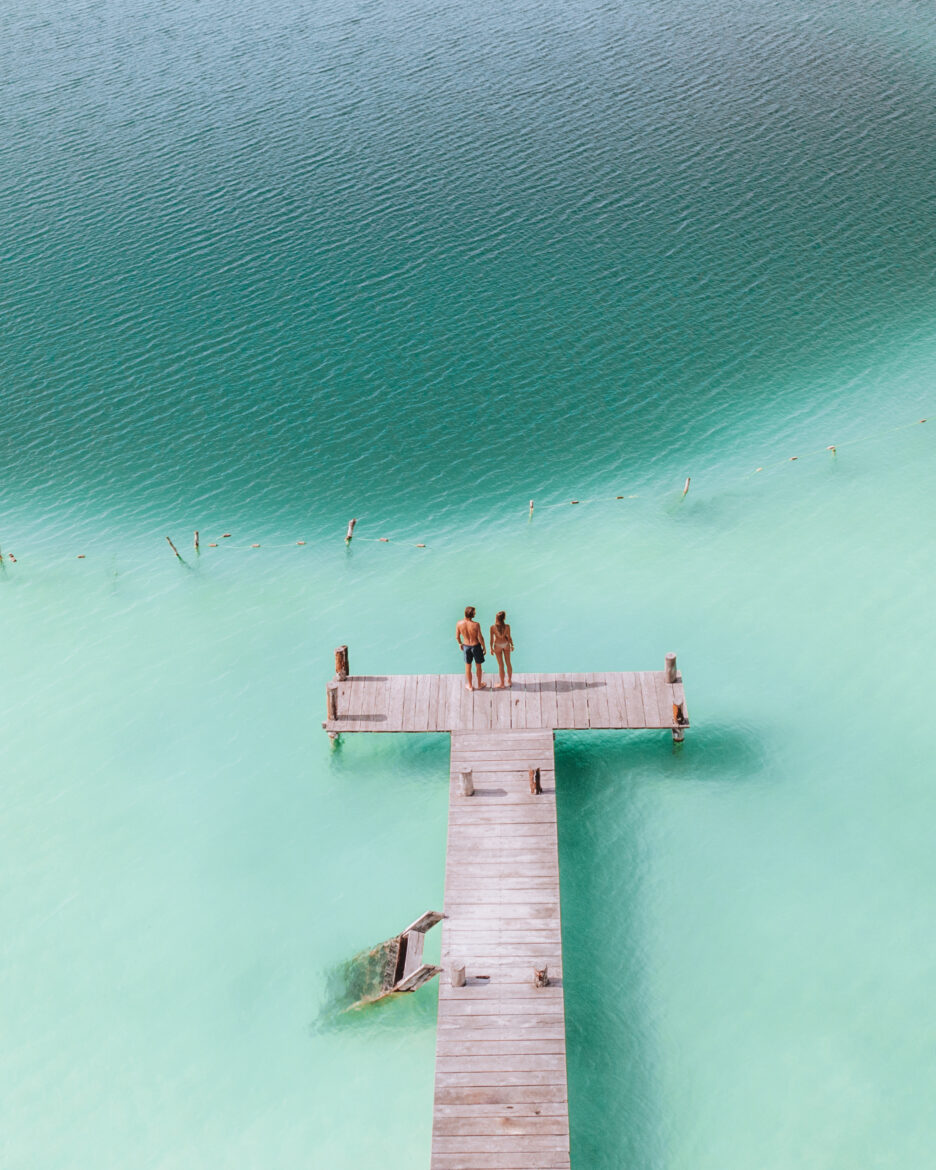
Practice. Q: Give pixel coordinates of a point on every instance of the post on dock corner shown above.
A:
(671, 668)
(342, 669)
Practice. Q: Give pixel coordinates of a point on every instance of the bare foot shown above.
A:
(482, 686)
(498, 686)
(510, 682)
(467, 686)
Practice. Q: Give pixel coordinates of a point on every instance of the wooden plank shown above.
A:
(518, 720)
(534, 716)
(579, 685)
(649, 696)
(565, 715)
(421, 702)
(465, 707)
(617, 704)
(548, 709)
(664, 691)
(437, 703)
(377, 692)
(502, 918)
(409, 702)
(597, 696)
(636, 716)
(501, 710)
(481, 709)
(395, 703)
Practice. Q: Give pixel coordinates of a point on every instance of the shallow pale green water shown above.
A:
(267, 267)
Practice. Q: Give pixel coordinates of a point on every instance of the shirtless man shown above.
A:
(471, 643)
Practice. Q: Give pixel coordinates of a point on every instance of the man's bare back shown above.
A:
(471, 643)
(468, 632)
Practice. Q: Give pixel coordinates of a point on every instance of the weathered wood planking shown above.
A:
(574, 702)
(501, 1097)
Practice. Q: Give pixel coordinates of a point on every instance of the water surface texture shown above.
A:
(269, 266)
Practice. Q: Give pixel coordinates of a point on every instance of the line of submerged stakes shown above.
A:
(831, 448)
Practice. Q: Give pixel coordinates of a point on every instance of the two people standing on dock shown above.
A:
(471, 643)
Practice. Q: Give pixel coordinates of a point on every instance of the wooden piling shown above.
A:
(541, 976)
(342, 668)
(458, 974)
(350, 533)
(536, 787)
(196, 540)
(467, 783)
(669, 673)
(685, 490)
(332, 701)
(174, 549)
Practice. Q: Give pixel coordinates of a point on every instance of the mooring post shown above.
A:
(332, 695)
(458, 975)
(536, 788)
(196, 540)
(342, 669)
(174, 549)
(670, 672)
(350, 533)
(541, 976)
(467, 783)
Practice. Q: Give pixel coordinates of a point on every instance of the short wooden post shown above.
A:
(466, 781)
(342, 669)
(536, 788)
(196, 540)
(350, 533)
(174, 549)
(458, 975)
(541, 976)
(332, 696)
(685, 490)
(670, 672)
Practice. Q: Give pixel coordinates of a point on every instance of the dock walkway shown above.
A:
(500, 1085)
(571, 702)
(501, 1099)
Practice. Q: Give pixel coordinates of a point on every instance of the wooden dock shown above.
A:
(557, 702)
(500, 1082)
(501, 1098)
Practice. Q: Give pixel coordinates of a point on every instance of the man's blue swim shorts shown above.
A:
(473, 654)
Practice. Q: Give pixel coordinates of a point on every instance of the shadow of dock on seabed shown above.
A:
(607, 786)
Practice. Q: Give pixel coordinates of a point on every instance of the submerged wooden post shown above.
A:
(196, 540)
(342, 669)
(332, 697)
(458, 975)
(350, 532)
(541, 976)
(670, 672)
(174, 549)
(685, 490)
(536, 788)
(466, 780)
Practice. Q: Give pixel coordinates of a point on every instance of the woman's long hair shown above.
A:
(500, 622)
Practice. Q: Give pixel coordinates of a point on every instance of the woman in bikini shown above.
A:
(502, 644)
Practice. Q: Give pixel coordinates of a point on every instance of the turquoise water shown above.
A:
(266, 267)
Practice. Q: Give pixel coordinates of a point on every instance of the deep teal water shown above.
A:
(266, 267)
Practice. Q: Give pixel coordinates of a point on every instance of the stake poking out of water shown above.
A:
(174, 549)
(685, 490)
(350, 533)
